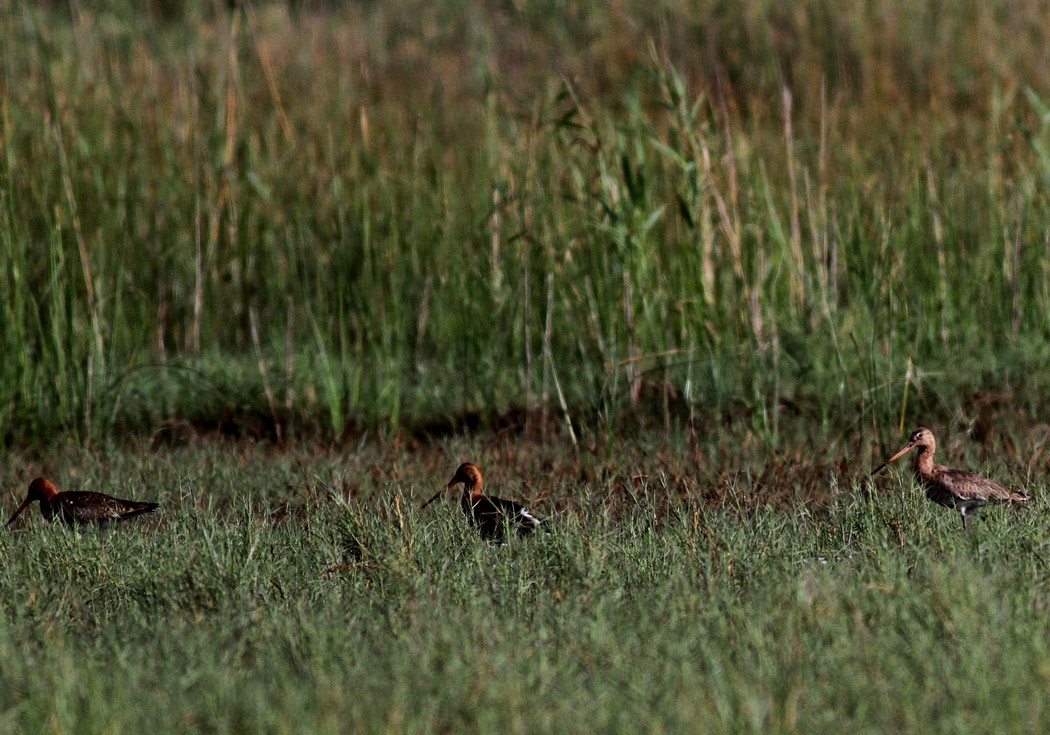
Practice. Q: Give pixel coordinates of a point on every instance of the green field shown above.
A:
(676, 274)
(305, 592)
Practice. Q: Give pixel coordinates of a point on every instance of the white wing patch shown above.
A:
(529, 517)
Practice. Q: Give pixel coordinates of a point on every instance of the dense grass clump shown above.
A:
(314, 221)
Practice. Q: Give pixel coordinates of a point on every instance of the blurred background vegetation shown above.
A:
(312, 220)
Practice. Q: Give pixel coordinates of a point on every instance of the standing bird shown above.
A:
(75, 507)
(492, 516)
(959, 489)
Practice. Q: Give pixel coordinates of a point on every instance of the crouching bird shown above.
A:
(491, 516)
(75, 507)
(964, 491)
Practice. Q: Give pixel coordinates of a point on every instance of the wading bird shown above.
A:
(492, 516)
(959, 489)
(75, 507)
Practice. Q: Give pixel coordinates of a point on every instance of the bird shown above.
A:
(75, 507)
(491, 516)
(964, 491)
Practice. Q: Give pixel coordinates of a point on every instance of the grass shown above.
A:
(269, 597)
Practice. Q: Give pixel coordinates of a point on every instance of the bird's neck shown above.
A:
(46, 494)
(469, 501)
(472, 492)
(924, 465)
(49, 507)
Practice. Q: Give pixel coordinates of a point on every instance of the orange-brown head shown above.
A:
(467, 473)
(470, 475)
(921, 438)
(41, 489)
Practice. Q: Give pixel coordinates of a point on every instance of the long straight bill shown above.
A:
(903, 450)
(435, 496)
(23, 506)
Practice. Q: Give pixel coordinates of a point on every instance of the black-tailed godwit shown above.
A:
(959, 489)
(79, 506)
(492, 516)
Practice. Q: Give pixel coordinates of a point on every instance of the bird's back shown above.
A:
(948, 486)
(83, 506)
(491, 515)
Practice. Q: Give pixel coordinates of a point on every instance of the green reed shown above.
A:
(367, 217)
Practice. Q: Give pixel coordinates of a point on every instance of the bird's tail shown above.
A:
(138, 507)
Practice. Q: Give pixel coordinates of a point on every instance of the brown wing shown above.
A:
(971, 486)
(89, 507)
